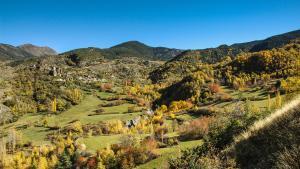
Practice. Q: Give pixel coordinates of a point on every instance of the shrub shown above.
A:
(99, 111)
(115, 127)
(75, 127)
(106, 87)
(132, 109)
(160, 132)
(61, 104)
(225, 97)
(214, 88)
(10, 102)
(195, 129)
(149, 144)
(113, 103)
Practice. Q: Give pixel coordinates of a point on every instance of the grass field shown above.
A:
(79, 112)
(166, 153)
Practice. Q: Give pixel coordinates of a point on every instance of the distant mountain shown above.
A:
(9, 52)
(181, 64)
(127, 49)
(37, 50)
(211, 55)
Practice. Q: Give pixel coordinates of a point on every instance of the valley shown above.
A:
(136, 106)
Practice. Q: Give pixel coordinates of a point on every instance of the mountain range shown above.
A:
(127, 49)
(141, 50)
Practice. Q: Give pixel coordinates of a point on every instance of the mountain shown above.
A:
(9, 52)
(127, 49)
(136, 48)
(12, 52)
(212, 55)
(37, 50)
(188, 60)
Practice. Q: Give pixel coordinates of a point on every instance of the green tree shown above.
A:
(64, 161)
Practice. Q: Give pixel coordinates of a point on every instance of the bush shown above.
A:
(75, 127)
(106, 87)
(214, 88)
(99, 111)
(195, 129)
(225, 97)
(132, 109)
(10, 102)
(115, 127)
(113, 103)
(149, 144)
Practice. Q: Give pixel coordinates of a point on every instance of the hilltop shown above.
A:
(126, 49)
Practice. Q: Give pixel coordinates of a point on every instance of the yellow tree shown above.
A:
(43, 164)
(269, 103)
(53, 106)
(278, 99)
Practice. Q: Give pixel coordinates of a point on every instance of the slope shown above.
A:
(272, 142)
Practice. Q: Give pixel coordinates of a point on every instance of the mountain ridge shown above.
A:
(138, 49)
(127, 49)
(10, 52)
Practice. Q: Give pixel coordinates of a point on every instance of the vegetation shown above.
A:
(225, 107)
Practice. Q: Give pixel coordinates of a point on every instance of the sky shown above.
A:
(185, 24)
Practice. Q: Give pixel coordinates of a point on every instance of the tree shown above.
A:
(2, 152)
(53, 105)
(278, 100)
(12, 140)
(269, 103)
(43, 164)
(64, 161)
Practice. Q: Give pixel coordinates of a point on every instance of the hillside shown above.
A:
(9, 52)
(12, 52)
(37, 50)
(127, 49)
(272, 142)
(94, 107)
(188, 61)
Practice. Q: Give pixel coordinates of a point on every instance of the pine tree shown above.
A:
(64, 161)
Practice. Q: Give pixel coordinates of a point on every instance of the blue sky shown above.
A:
(186, 24)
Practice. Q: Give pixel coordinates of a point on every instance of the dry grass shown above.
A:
(268, 120)
(272, 142)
